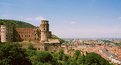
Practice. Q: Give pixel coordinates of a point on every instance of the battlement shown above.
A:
(44, 21)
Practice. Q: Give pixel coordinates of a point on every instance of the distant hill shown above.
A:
(18, 24)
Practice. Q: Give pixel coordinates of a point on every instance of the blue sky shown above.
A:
(69, 18)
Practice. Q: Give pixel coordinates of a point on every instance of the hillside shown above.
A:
(56, 37)
(18, 24)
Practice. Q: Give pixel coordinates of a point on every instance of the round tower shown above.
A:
(44, 27)
(3, 33)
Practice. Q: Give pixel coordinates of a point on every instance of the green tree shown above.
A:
(77, 54)
(46, 57)
(65, 57)
(30, 46)
(13, 54)
(81, 60)
(60, 54)
(72, 61)
(95, 59)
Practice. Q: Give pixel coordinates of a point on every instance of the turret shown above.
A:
(44, 27)
(6, 32)
(3, 33)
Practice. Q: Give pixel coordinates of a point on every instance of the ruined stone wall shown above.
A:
(10, 32)
(26, 34)
(53, 47)
(49, 34)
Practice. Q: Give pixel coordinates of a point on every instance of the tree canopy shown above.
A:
(14, 54)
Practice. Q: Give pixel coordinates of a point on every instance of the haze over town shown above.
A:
(69, 18)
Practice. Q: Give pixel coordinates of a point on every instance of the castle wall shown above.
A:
(26, 34)
(10, 32)
(49, 34)
(52, 46)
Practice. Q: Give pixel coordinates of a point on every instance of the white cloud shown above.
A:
(28, 19)
(119, 17)
(4, 16)
(7, 17)
(40, 18)
(73, 22)
(37, 18)
(33, 19)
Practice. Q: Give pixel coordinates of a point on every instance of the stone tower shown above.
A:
(7, 31)
(3, 33)
(44, 27)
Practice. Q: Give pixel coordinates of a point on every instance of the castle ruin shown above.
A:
(40, 34)
(11, 34)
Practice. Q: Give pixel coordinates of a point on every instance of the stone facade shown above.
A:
(25, 34)
(12, 34)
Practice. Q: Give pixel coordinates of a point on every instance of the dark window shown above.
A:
(38, 48)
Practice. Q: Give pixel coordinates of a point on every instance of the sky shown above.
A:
(68, 18)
